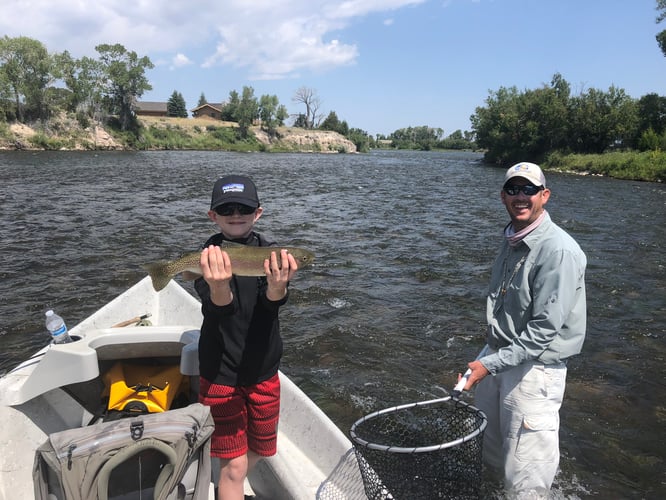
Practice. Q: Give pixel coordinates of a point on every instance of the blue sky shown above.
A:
(380, 65)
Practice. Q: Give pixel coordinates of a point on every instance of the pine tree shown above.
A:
(176, 105)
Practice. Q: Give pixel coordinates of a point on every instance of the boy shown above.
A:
(240, 345)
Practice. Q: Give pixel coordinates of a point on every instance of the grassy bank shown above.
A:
(639, 166)
(192, 135)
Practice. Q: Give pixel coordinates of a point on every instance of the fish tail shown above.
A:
(159, 274)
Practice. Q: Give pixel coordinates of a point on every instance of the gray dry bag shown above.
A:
(160, 456)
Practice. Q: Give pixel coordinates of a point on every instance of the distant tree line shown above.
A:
(533, 123)
(426, 138)
(513, 124)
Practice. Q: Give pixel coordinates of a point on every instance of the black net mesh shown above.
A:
(425, 450)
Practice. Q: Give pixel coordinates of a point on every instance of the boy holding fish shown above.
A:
(240, 345)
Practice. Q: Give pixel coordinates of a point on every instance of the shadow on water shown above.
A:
(393, 308)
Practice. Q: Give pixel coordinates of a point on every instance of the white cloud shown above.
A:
(180, 60)
(269, 38)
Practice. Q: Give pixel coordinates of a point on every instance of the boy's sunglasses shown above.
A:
(527, 189)
(230, 208)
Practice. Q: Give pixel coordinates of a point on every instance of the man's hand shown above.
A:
(478, 373)
(279, 270)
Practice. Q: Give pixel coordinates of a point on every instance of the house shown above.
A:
(150, 108)
(210, 110)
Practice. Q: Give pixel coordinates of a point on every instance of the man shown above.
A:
(536, 313)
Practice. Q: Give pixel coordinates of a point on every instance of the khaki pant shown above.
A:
(522, 405)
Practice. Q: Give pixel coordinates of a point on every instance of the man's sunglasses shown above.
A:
(231, 208)
(527, 189)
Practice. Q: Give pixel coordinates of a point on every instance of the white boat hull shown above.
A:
(314, 460)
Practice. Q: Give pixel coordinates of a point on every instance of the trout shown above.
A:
(245, 261)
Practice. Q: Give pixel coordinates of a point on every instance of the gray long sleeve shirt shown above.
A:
(536, 306)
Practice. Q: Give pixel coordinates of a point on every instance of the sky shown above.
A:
(381, 65)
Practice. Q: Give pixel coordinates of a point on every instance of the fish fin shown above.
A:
(159, 274)
(231, 244)
(190, 276)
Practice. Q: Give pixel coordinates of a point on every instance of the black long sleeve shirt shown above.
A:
(240, 343)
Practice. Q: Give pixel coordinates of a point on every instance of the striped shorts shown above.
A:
(246, 418)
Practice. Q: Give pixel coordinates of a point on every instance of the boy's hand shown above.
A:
(279, 270)
(216, 270)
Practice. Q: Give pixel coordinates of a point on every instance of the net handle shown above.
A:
(460, 386)
(419, 449)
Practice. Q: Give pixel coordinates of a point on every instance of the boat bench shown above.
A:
(58, 365)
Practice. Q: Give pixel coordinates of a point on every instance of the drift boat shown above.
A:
(65, 387)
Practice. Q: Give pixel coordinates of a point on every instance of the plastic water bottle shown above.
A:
(56, 325)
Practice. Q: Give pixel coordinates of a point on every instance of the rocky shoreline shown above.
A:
(68, 135)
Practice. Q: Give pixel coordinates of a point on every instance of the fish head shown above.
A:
(304, 258)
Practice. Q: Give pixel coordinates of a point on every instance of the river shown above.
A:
(393, 308)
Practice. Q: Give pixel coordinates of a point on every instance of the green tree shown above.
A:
(85, 79)
(603, 120)
(202, 100)
(649, 141)
(125, 81)
(652, 113)
(530, 124)
(661, 36)
(230, 109)
(424, 138)
(25, 65)
(268, 107)
(332, 122)
(456, 140)
(7, 111)
(301, 121)
(247, 112)
(361, 140)
(281, 115)
(176, 105)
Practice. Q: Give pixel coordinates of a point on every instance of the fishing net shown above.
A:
(429, 450)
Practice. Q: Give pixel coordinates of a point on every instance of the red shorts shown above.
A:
(246, 418)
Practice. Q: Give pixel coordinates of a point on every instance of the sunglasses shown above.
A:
(231, 208)
(527, 189)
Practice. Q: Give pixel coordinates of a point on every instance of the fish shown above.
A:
(245, 261)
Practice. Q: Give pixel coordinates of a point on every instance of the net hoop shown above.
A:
(420, 449)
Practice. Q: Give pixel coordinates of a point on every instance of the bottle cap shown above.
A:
(49, 312)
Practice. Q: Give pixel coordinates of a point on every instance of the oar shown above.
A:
(131, 321)
(457, 390)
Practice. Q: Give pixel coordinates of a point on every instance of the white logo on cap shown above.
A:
(233, 188)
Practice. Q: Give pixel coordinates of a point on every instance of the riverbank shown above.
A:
(647, 166)
(162, 133)
(66, 133)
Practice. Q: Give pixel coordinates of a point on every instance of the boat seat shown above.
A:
(59, 365)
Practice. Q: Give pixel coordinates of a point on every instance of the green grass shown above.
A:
(213, 138)
(640, 166)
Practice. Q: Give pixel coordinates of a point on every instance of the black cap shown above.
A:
(234, 189)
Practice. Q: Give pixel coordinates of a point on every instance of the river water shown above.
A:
(393, 308)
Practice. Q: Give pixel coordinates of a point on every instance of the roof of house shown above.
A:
(151, 106)
(217, 106)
